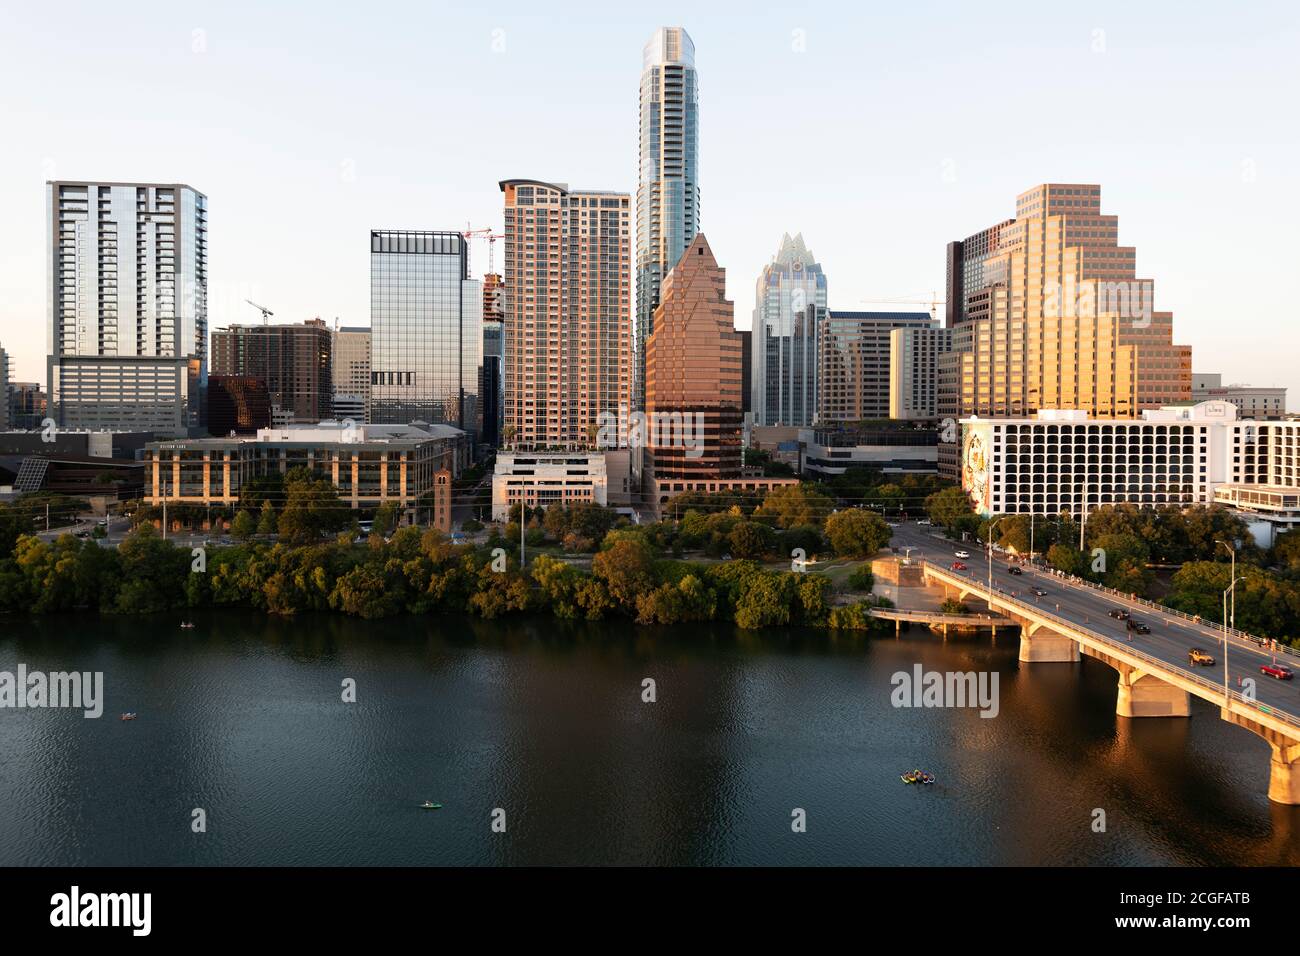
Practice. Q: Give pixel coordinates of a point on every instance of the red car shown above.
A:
(1276, 670)
(958, 566)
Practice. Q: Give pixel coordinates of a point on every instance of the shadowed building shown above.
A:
(237, 405)
(295, 362)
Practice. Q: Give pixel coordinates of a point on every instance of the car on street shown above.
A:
(958, 566)
(1137, 626)
(1118, 613)
(1280, 671)
(962, 554)
(1199, 657)
(924, 521)
(1014, 570)
(1039, 591)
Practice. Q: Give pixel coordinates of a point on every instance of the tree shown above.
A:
(857, 533)
(312, 507)
(627, 569)
(793, 505)
(385, 520)
(953, 606)
(266, 522)
(750, 539)
(243, 527)
(948, 506)
(1065, 558)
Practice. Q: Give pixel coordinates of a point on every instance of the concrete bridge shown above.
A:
(941, 618)
(1150, 684)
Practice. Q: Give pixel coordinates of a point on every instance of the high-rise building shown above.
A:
(493, 390)
(568, 313)
(128, 316)
(27, 405)
(693, 373)
(426, 331)
(914, 370)
(853, 363)
(789, 303)
(668, 190)
(351, 371)
(746, 369)
(1053, 316)
(5, 375)
(295, 362)
(237, 405)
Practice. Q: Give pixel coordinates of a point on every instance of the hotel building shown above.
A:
(127, 323)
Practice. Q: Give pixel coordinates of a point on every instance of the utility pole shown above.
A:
(47, 516)
(1031, 537)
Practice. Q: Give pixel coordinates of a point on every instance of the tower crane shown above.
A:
(491, 237)
(266, 313)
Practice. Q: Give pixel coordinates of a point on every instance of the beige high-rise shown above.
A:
(567, 354)
(1059, 320)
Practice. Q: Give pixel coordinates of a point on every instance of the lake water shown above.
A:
(242, 717)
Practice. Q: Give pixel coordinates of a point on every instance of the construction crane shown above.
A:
(266, 313)
(933, 302)
(491, 237)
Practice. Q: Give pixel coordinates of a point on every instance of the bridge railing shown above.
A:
(1216, 686)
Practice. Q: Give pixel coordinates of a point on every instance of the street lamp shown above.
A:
(1233, 588)
(1232, 549)
(989, 544)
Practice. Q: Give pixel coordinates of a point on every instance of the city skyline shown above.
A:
(915, 195)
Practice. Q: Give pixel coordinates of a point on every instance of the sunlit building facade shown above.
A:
(789, 304)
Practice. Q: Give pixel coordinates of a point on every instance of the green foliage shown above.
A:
(857, 533)
(750, 539)
(861, 579)
(793, 505)
(954, 606)
(950, 508)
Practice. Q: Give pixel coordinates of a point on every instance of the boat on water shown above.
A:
(186, 625)
(129, 716)
(917, 776)
(430, 805)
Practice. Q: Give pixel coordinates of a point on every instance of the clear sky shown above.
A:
(879, 131)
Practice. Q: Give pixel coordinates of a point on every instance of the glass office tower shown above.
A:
(668, 190)
(426, 322)
(789, 304)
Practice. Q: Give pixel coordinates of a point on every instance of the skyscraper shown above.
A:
(853, 363)
(914, 353)
(295, 362)
(568, 313)
(426, 330)
(693, 374)
(128, 315)
(789, 304)
(668, 185)
(1053, 316)
(493, 390)
(351, 361)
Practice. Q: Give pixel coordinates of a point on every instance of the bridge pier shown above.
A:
(1041, 645)
(1283, 767)
(1142, 695)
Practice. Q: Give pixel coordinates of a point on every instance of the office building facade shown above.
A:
(853, 363)
(127, 320)
(914, 354)
(350, 371)
(567, 351)
(426, 331)
(295, 362)
(789, 304)
(668, 191)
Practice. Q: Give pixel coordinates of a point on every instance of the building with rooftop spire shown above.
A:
(789, 306)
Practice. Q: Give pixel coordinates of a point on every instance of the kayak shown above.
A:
(917, 776)
(430, 806)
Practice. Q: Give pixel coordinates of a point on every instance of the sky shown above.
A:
(878, 131)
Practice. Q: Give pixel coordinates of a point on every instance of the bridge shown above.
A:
(941, 618)
(1156, 678)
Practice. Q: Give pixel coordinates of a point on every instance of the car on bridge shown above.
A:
(1118, 613)
(958, 566)
(1199, 657)
(1280, 671)
(961, 554)
(1014, 570)
(1039, 591)
(1134, 624)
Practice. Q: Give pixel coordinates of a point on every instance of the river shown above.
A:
(242, 717)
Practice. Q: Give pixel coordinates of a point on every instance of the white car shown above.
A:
(962, 554)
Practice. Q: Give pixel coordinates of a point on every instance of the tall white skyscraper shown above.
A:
(668, 185)
(789, 306)
(128, 316)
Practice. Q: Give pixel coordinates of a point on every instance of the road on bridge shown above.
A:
(1171, 636)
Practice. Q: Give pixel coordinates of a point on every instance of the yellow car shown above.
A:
(1198, 656)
